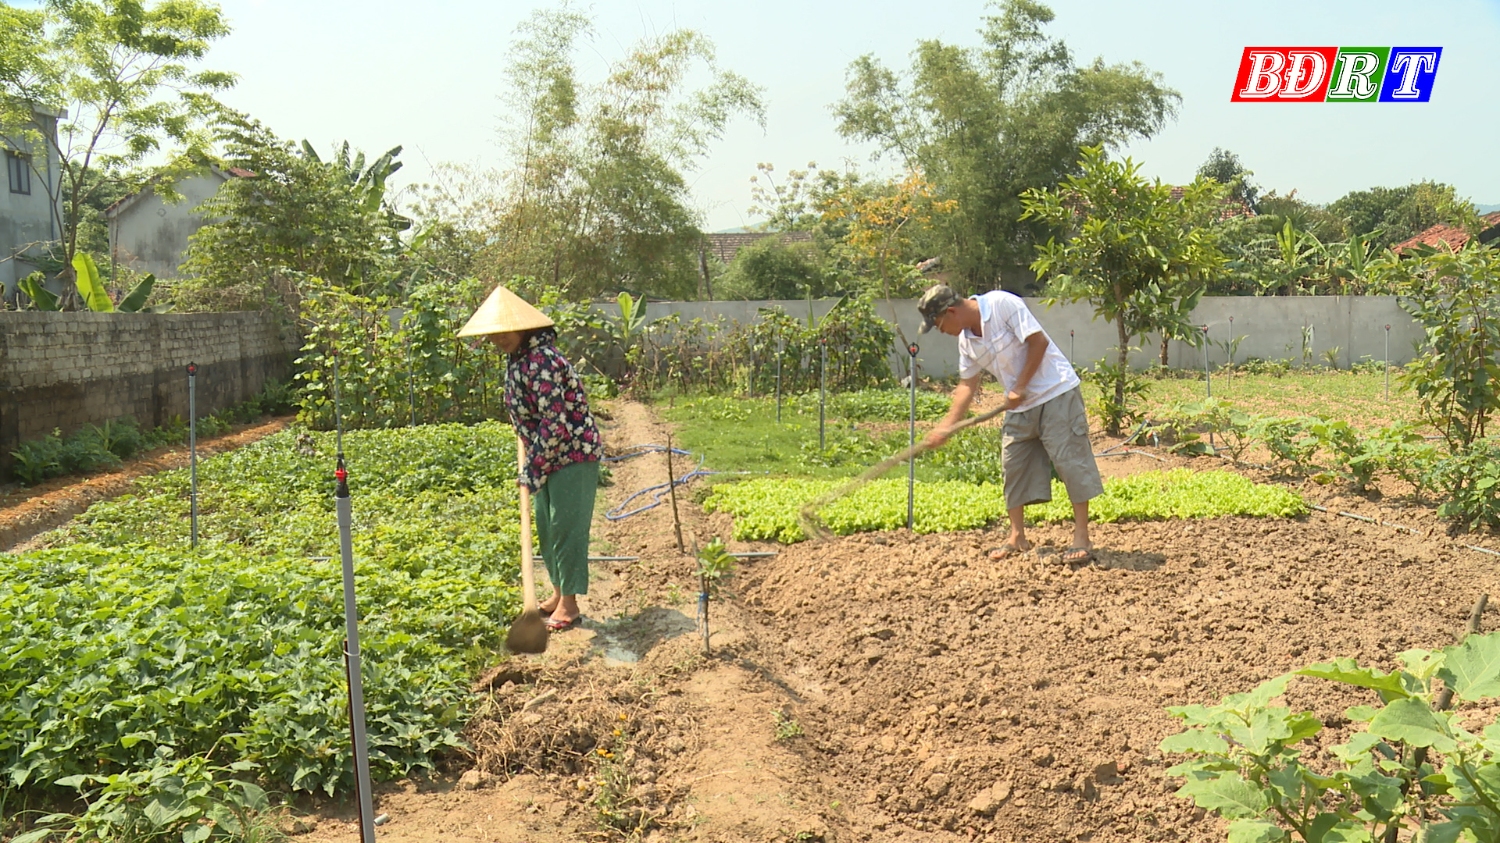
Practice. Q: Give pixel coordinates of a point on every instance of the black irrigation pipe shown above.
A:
(1399, 528)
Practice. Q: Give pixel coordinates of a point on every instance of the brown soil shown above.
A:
(28, 511)
(940, 696)
(890, 687)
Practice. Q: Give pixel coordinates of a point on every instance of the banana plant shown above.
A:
(91, 289)
(1295, 261)
(629, 330)
(135, 301)
(91, 285)
(1349, 268)
(41, 297)
(369, 183)
(632, 322)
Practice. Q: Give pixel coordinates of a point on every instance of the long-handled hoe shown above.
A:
(814, 527)
(529, 632)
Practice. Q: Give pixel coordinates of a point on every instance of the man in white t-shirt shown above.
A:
(1045, 430)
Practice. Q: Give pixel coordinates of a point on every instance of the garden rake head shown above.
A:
(811, 524)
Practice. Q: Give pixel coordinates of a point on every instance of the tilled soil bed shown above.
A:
(1024, 700)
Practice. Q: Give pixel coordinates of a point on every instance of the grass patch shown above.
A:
(766, 509)
(862, 428)
(1355, 397)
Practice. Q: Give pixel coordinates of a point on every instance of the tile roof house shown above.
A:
(1454, 236)
(149, 234)
(725, 246)
(1232, 207)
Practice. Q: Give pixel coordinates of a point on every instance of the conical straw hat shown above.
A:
(504, 311)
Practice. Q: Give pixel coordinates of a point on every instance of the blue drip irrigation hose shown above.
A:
(660, 489)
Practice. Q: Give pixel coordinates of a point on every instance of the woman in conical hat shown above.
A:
(548, 407)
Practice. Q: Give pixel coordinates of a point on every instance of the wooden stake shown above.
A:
(672, 490)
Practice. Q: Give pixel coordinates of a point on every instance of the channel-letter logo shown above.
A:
(1336, 74)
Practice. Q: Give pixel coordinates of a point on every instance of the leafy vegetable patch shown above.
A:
(123, 652)
(766, 509)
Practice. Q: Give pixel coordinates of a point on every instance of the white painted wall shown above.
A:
(1272, 327)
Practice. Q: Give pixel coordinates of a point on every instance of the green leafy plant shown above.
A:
(1120, 391)
(1456, 377)
(187, 799)
(1289, 441)
(786, 726)
(715, 565)
(973, 456)
(1412, 769)
(628, 331)
(1185, 427)
(1231, 349)
(1471, 479)
(1138, 252)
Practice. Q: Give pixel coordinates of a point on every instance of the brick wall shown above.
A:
(66, 370)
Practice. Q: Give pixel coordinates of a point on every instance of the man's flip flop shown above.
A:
(562, 626)
(1078, 555)
(1005, 551)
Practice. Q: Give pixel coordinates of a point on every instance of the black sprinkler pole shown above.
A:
(352, 670)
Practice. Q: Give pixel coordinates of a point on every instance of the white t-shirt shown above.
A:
(1007, 323)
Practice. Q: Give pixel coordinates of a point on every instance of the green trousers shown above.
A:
(564, 509)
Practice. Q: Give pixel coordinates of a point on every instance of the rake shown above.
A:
(808, 518)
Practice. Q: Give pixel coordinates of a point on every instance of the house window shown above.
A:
(18, 167)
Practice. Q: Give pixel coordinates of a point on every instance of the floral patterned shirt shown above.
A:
(548, 407)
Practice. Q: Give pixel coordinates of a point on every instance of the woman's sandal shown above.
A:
(554, 625)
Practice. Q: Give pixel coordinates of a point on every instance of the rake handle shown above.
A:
(809, 513)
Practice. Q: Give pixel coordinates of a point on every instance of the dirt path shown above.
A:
(691, 739)
(26, 512)
(888, 687)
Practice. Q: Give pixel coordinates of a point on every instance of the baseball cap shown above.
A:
(934, 302)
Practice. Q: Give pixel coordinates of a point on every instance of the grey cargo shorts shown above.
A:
(1051, 437)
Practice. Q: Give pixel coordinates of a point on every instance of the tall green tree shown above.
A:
(1393, 214)
(294, 217)
(773, 269)
(1141, 258)
(985, 124)
(597, 199)
(1226, 168)
(125, 73)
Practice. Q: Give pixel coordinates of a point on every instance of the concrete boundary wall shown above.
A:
(66, 370)
(1272, 328)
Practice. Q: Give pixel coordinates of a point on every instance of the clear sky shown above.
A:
(428, 75)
